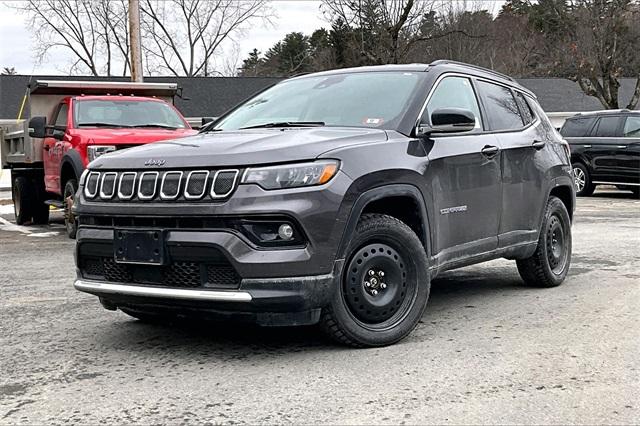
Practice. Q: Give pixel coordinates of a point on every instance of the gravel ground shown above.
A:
(488, 350)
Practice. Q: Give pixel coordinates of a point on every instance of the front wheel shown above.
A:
(70, 189)
(582, 180)
(549, 264)
(384, 287)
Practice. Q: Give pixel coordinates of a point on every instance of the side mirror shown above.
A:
(38, 127)
(448, 120)
(57, 134)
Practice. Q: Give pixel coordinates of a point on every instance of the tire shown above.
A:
(379, 313)
(549, 264)
(68, 196)
(24, 199)
(41, 209)
(582, 180)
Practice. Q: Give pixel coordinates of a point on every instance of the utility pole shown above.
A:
(134, 41)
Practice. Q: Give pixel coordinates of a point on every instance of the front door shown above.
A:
(628, 151)
(605, 143)
(463, 177)
(54, 149)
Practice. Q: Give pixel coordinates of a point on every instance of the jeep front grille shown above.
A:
(161, 186)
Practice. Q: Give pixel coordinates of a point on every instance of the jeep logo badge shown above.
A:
(152, 162)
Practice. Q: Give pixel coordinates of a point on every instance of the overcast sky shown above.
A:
(15, 38)
(292, 15)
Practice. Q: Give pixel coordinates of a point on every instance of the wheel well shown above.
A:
(564, 193)
(66, 173)
(403, 208)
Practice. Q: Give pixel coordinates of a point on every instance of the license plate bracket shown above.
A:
(139, 246)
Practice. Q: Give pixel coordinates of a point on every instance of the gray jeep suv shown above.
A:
(331, 198)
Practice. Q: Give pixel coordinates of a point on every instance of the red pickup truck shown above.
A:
(72, 124)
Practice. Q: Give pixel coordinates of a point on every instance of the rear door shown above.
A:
(54, 149)
(605, 148)
(464, 178)
(524, 150)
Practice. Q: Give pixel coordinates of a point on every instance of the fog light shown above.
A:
(285, 231)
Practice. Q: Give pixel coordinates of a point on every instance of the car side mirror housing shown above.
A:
(57, 133)
(447, 120)
(38, 127)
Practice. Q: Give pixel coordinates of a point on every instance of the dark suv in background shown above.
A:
(605, 149)
(334, 198)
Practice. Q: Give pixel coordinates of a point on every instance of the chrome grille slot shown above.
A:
(127, 186)
(108, 185)
(196, 184)
(170, 186)
(147, 185)
(91, 185)
(224, 182)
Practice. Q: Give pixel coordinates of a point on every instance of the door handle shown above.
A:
(490, 151)
(621, 146)
(538, 145)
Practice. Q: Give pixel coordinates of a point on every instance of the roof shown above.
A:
(74, 87)
(212, 96)
(606, 112)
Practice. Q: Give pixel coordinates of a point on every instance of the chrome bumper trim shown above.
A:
(169, 293)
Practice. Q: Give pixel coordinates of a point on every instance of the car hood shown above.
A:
(239, 148)
(129, 136)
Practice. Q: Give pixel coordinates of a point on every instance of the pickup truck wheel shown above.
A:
(24, 199)
(40, 209)
(582, 180)
(70, 189)
(384, 287)
(550, 262)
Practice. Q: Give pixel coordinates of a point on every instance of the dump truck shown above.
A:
(71, 124)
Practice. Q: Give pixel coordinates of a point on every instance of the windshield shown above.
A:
(104, 113)
(373, 99)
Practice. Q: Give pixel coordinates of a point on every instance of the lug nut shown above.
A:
(371, 272)
(383, 286)
(381, 273)
(374, 292)
(367, 284)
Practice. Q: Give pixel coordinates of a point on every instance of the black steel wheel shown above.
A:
(384, 287)
(549, 264)
(70, 189)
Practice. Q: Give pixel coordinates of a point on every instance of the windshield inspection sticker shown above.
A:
(372, 121)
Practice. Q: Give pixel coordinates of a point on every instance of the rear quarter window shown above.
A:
(577, 127)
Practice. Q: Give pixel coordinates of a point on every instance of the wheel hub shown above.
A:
(375, 283)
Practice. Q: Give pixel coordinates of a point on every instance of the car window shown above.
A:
(63, 115)
(525, 109)
(577, 127)
(501, 106)
(631, 127)
(607, 127)
(454, 92)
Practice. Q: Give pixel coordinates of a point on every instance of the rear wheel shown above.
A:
(70, 189)
(549, 264)
(24, 199)
(384, 287)
(582, 180)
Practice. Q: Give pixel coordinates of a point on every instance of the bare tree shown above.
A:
(183, 36)
(71, 25)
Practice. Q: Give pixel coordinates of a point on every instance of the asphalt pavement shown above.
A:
(487, 350)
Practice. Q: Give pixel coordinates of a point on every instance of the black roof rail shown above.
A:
(447, 61)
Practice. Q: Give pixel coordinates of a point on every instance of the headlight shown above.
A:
(95, 151)
(292, 175)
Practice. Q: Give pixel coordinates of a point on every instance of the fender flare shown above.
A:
(378, 193)
(72, 158)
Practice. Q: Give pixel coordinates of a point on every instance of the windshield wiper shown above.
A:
(286, 124)
(98, 124)
(161, 126)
